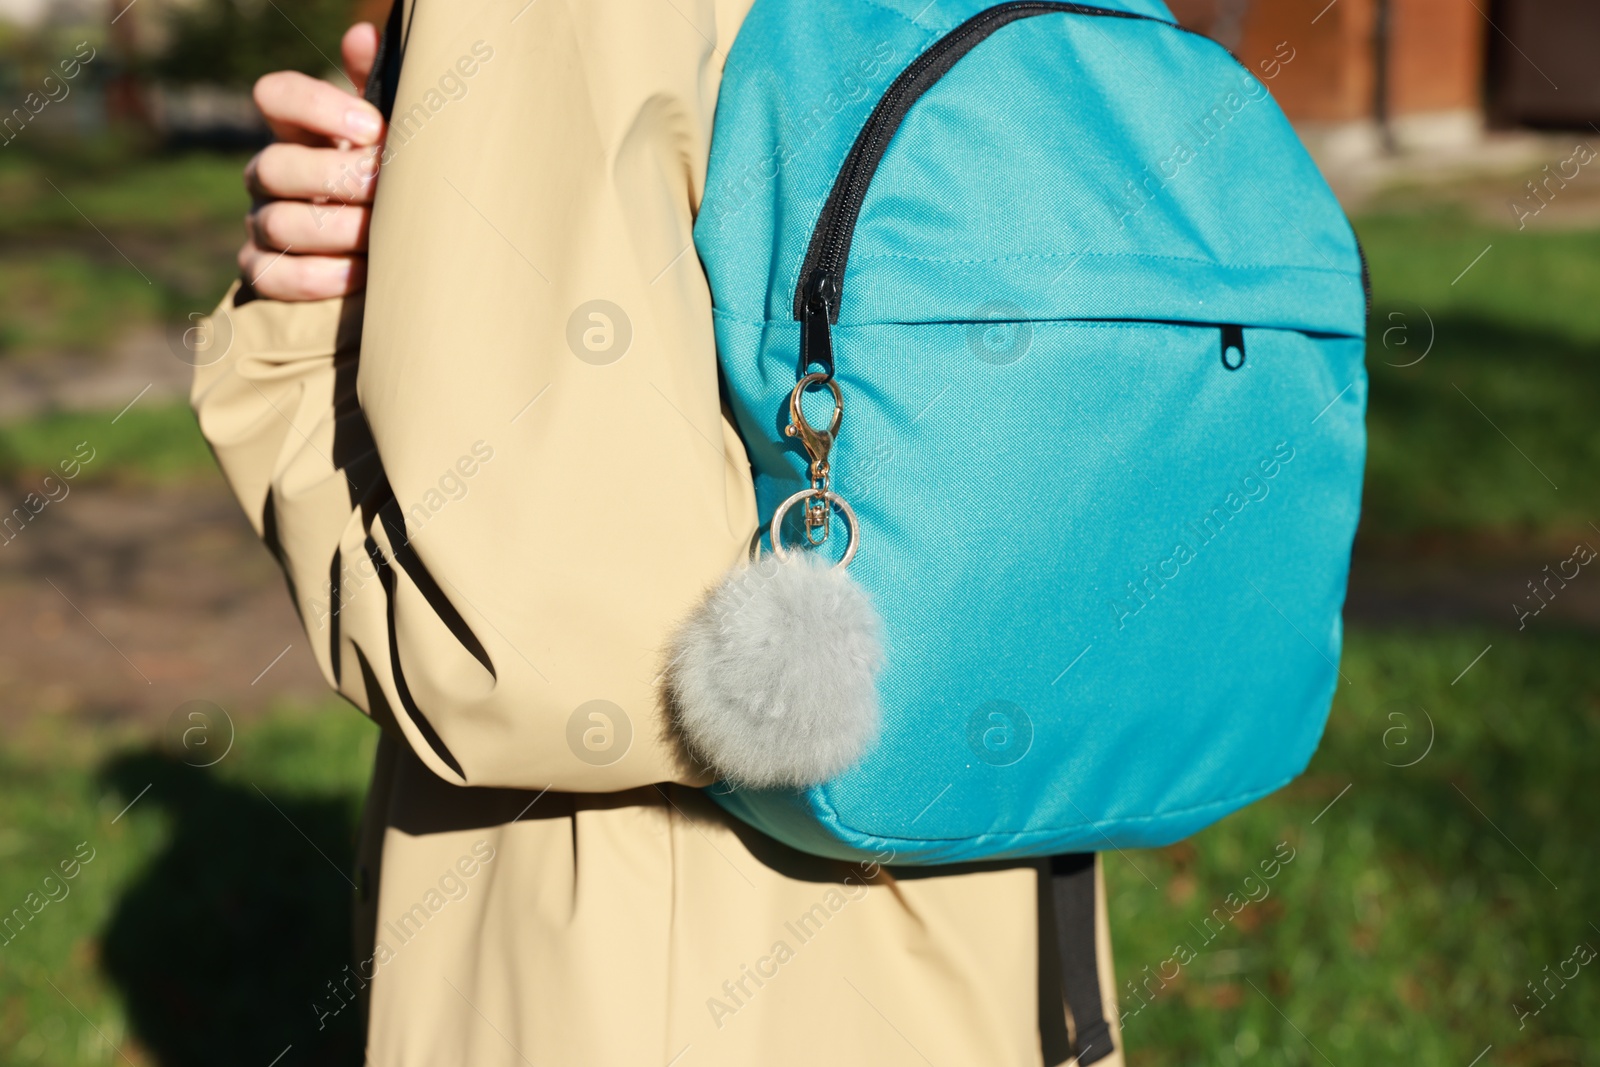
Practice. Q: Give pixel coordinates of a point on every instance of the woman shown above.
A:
(478, 425)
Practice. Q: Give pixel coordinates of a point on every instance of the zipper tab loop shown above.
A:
(1232, 346)
(820, 310)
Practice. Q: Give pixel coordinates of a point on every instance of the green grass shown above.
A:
(1468, 444)
(1405, 926)
(204, 923)
(120, 191)
(1402, 929)
(64, 301)
(93, 244)
(1518, 337)
(146, 444)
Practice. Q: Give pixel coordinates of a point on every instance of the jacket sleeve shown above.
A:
(498, 479)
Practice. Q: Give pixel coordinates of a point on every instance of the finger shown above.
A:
(359, 49)
(301, 109)
(300, 172)
(281, 276)
(294, 225)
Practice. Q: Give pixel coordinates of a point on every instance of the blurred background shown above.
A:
(164, 735)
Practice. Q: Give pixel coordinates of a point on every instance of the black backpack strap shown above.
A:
(1072, 885)
(384, 81)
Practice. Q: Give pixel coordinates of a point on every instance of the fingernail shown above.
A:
(367, 164)
(362, 123)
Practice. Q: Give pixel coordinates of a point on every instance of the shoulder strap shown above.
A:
(1072, 884)
(384, 81)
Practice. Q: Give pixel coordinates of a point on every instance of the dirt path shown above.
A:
(1440, 588)
(118, 603)
(179, 602)
(140, 364)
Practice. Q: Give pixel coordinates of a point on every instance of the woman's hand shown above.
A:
(313, 189)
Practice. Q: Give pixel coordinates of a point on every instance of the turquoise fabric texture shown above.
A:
(1101, 341)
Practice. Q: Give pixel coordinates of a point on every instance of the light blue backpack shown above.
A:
(1098, 325)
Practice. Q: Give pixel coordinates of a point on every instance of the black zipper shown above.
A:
(1366, 272)
(816, 298)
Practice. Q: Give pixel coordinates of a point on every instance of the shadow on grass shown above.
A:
(1417, 921)
(1472, 441)
(219, 947)
(1480, 790)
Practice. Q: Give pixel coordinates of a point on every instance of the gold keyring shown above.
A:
(805, 494)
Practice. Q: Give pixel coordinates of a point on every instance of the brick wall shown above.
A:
(1437, 56)
(1436, 52)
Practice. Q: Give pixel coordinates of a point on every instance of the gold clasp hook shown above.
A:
(818, 443)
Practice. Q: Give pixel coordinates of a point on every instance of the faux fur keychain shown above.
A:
(773, 677)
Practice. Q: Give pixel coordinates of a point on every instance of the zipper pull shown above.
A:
(816, 338)
(1232, 341)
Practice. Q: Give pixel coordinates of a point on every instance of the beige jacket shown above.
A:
(494, 485)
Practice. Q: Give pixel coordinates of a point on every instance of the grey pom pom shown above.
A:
(772, 677)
